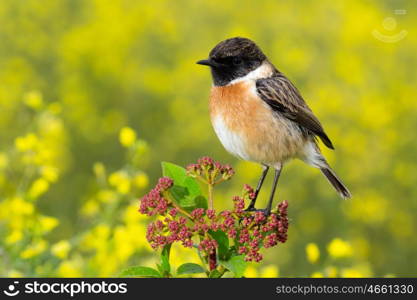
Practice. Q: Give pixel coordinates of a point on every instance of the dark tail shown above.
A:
(335, 181)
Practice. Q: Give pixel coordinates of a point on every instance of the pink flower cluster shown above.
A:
(256, 229)
(154, 203)
(172, 229)
(210, 169)
(250, 231)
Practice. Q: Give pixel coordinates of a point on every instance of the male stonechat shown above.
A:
(260, 116)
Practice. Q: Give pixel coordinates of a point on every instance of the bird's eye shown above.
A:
(237, 61)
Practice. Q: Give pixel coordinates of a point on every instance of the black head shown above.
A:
(233, 58)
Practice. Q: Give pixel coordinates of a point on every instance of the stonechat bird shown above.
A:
(260, 116)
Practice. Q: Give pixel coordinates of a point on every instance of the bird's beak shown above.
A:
(205, 62)
(208, 62)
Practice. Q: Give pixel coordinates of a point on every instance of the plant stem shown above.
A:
(182, 211)
(212, 261)
(210, 196)
(172, 202)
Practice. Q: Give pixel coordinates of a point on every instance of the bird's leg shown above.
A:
(251, 206)
(267, 210)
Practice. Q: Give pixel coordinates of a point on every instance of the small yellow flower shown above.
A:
(18, 206)
(121, 181)
(251, 272)
(33, 99)
(313, 252)
(69, 268)
(115, 178)
(26, 143)
(61, 249)
(47, 223)
(127, 136)
(34, 249)
(106, 196)
(317, 275)
(339, 248)
(123, 187)
(270, 272)
(90, 208)
(38, 187)
(49, 173)
(95, 237)
(42, 156)
(14, 237)
(141, 180)
(351, 273)
(122, 238)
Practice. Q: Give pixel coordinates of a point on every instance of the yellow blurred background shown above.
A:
(94, 94)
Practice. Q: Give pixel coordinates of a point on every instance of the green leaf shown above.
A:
(180, 193)
(179, 175)
(165, 267)
(140, 271)
(201, 202)
(192, 186)
(215, 274)
(190, 268)
(186, 190)
(184, 200)
(236, 264)
(223, 242)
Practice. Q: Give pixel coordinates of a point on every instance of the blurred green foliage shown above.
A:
(73, 73)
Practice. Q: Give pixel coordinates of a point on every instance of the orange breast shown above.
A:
(236, 104)
(265, 136)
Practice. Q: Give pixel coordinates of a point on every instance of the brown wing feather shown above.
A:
(283, 97)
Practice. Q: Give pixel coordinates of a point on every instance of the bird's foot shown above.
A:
(265, 211)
